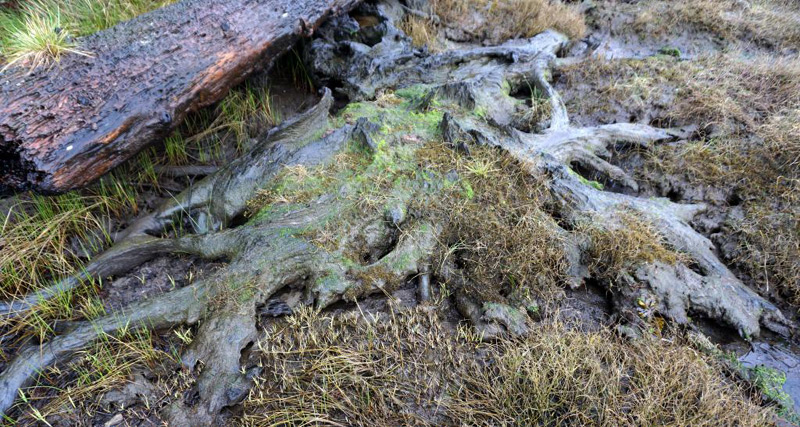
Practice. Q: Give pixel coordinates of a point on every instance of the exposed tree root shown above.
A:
(264, 256)
(270, 252)
(481, 80)
(213, 202)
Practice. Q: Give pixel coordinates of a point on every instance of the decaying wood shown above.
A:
(63, 127)
(264, 258)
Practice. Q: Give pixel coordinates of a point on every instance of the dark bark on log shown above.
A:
(62, 128)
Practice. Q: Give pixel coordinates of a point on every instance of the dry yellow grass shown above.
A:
(733, 94)
(409, 366)
(749, 110)
(774, 23)
(781, 133)
(423, 32)
(634, 241)
(496, 224)
(73, 393)
(506, 19)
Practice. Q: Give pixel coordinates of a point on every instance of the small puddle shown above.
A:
(770, 351)
(781, 356)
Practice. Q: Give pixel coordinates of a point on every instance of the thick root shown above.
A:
(186, 305)
(480, 82)
(212, 203)
(263, 258)
(222, 196)
(120, 259)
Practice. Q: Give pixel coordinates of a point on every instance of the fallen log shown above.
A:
(63, 127)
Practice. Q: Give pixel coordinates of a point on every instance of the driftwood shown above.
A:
(63, 127)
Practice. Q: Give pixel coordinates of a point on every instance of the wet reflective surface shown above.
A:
(781, 356)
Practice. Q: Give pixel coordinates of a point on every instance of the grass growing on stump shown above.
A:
(497, 225)
(633, 242)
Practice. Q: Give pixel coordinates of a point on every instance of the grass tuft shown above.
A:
(39, 32)
(43, 237)
(422, 31)
(36, 39)
(497, 225)
(634, 241)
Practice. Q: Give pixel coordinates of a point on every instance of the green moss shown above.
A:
(413, 93)
(397, 117)
(330, 283)
(301, 188)
(402, 262)
(271, 212)
(363, 180)
(506, 87)
(355, 110)
(292, 231)
(584, 181)
(670, 51)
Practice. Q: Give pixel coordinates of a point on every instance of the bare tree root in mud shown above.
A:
(394, 245)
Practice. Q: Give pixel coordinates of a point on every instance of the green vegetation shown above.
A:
(496, 225)
(537, 110)
(39, 32)
(72, 392)
(366, 179)
(35, 39)
(246, 112)
(670, 51)
(770, 382)
(45, 237)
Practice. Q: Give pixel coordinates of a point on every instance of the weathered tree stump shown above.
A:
(63, 127)
(393, 243)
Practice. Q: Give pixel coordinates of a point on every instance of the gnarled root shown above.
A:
(263, 257)
(269, 253)
(183, 306)
(120, 259)
(480, 81)
(213, 202)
